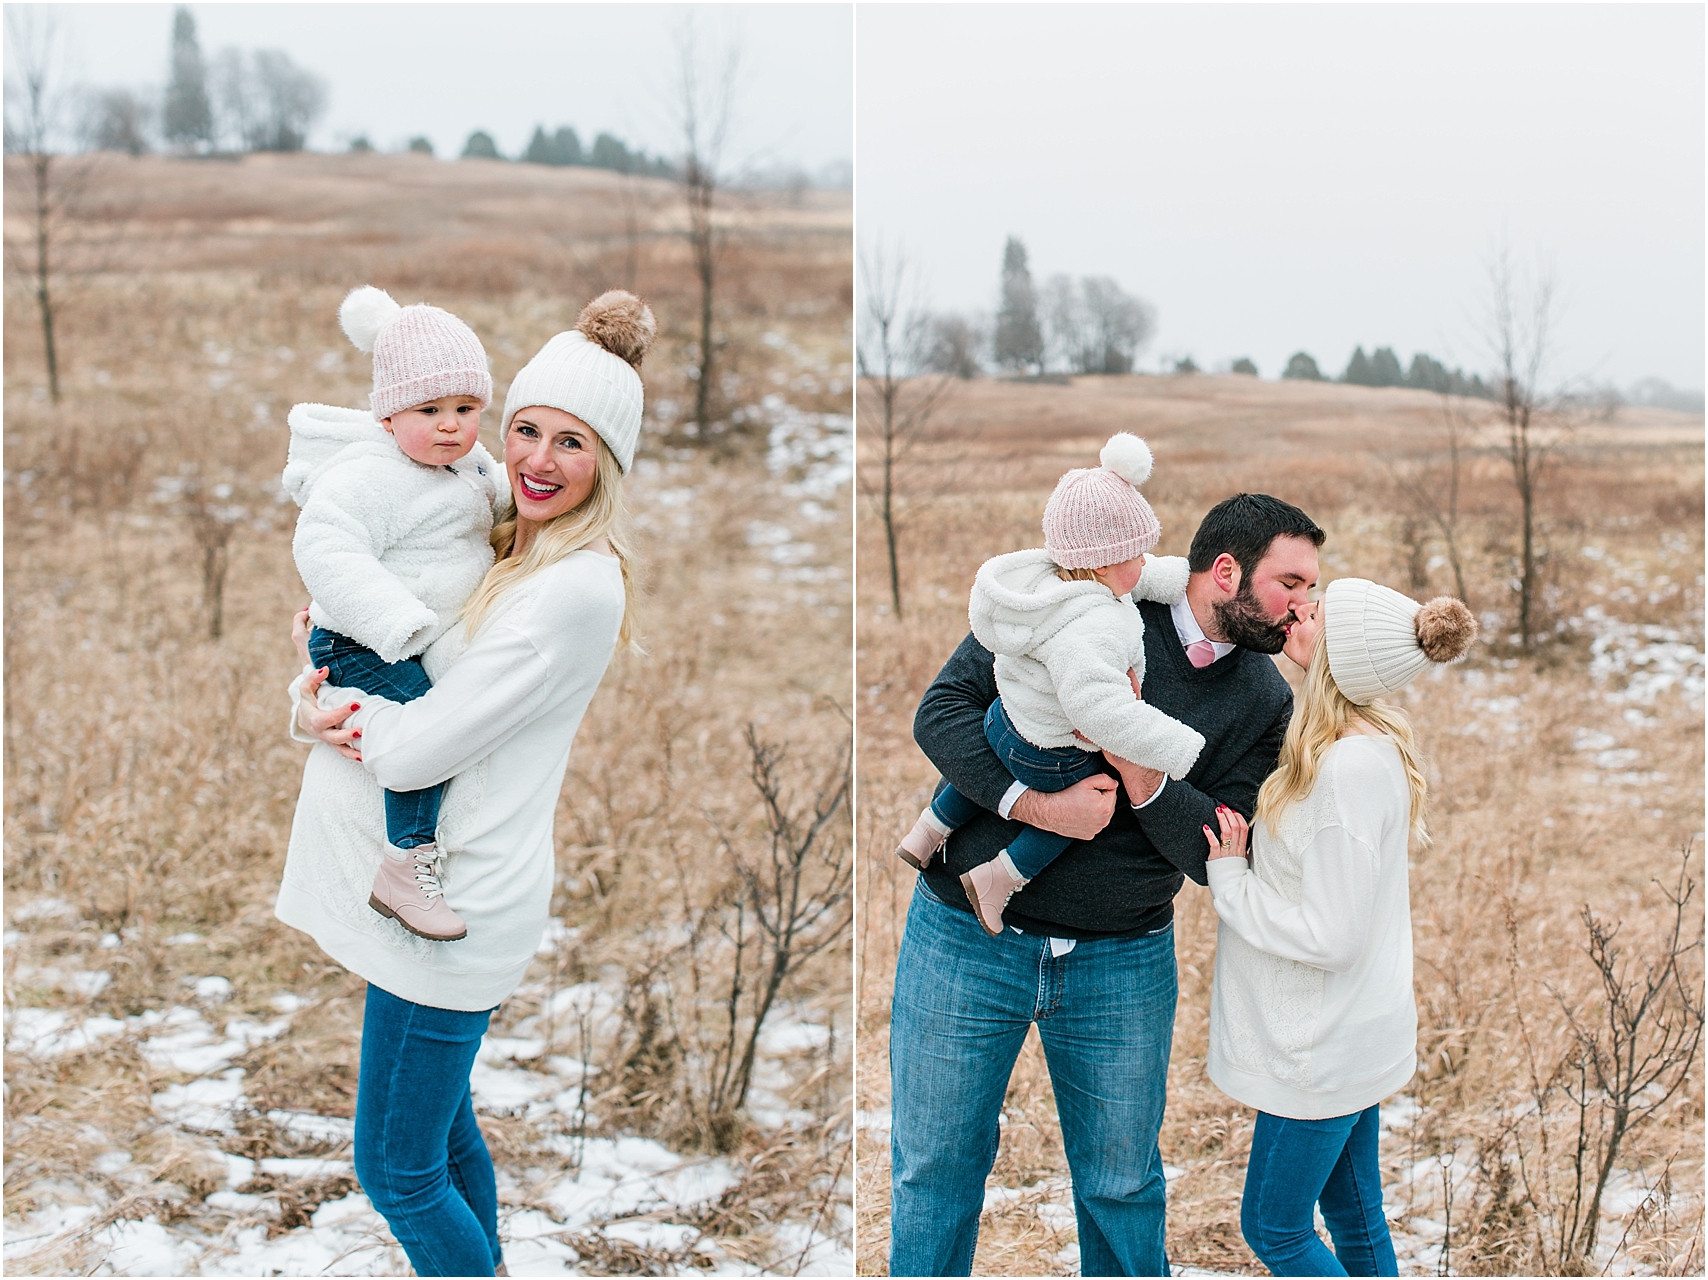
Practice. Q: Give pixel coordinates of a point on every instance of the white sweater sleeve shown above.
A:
(493, 689)
(1328, 926)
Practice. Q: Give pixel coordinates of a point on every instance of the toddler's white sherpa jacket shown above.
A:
(388, 547)
(1063, 650)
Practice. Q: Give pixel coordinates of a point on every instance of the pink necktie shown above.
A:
(1200, 653)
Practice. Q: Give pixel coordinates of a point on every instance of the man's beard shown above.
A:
(1243, 622)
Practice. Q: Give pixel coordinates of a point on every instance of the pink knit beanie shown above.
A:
(420, 352)
(1096, 517)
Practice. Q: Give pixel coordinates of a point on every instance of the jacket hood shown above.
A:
(1018, 602)
(319, 433)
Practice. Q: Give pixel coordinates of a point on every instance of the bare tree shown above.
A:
(1520, 335)
(1430, 487)
(1094, 326)
(266, 102)
(1626, 1060)
(234, 100)
(33, 107)
(956, 341)
(1641, 1054)
(117, 120)
(891, 349)
(796, 893)
(706, 85)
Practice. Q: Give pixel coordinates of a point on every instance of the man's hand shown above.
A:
(1141, 783)
(1079, 812)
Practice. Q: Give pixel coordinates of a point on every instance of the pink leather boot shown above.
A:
(407, 890)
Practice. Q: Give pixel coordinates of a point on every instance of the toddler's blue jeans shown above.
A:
(1299, 1165)
(411, 817)
(419, 1153)
(1042, 769)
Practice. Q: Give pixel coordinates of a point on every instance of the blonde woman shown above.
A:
(1312, 1021)
(510, 685)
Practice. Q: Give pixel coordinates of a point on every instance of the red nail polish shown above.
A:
(355, 706)
(356, 734)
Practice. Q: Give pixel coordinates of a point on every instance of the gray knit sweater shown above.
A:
(1123, 881)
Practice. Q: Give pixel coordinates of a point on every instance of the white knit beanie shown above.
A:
(420, 353)
(590, 371)
(1096, 517)
(1378, 639)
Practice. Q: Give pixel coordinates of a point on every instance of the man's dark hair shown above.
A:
(1243, 526)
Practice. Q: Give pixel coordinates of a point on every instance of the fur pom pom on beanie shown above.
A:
(1379, 640)
(1097, 517)
(420, 352)
(590, 371)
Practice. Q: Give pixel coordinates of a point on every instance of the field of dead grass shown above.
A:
(1566, 779)
(182, 1067)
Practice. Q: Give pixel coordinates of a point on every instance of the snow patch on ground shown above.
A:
(612, 1193)
(1639, 662)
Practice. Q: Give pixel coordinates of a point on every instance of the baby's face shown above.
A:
(438, 432)
(1122, 578)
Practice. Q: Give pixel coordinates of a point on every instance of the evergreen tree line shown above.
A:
(563, 147)
(1382, 369)
(262, 101)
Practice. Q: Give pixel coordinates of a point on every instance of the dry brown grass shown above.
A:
(1525, 824)
(149, 785)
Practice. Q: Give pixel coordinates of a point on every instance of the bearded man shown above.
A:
(1088, 949)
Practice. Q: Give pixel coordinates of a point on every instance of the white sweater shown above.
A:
(1311, 1014)
(498, 722)
(389, 548)
(1063, 650)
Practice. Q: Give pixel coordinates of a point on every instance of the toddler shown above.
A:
(397, 508)
(1070, 654)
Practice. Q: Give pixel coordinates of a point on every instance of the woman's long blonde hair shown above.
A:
(600, 515)
(1320, 717)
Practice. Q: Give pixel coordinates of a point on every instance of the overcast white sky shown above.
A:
(444, 70)
(1275, 178)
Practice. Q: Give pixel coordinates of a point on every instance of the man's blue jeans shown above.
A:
(419, 1153)
(411, 817)
(963, 1002)
(1040, 768)
(1298, 1165)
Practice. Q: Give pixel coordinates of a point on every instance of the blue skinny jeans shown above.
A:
(411, 817)
(419, 1153)
(1040, 768)
(962, 1005)
(1299, 1165)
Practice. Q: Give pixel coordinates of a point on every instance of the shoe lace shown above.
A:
(428, 868)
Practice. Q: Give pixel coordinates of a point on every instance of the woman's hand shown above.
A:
(299, 633)
(327, 725)
(1233, 835)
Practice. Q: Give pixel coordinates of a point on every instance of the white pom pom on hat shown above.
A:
(364, 313)
(420, 353)
(1128, 457)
